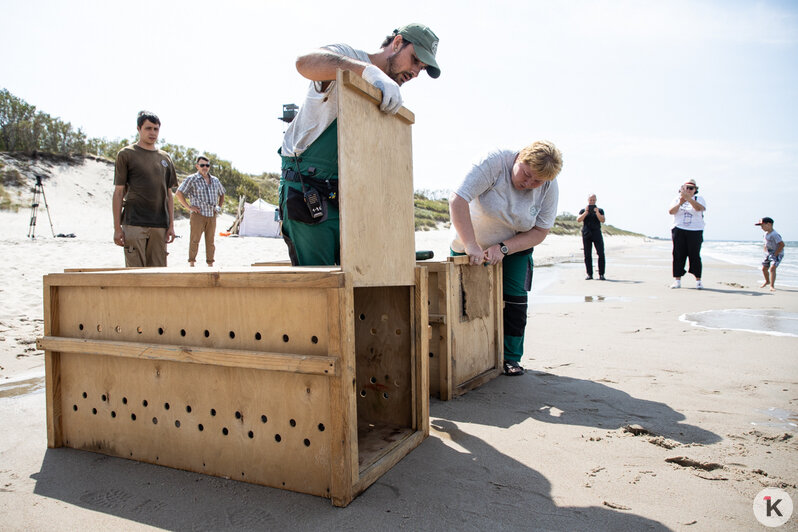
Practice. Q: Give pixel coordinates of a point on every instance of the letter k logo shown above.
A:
(772, 506)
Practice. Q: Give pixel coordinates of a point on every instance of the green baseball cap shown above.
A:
(425, 43)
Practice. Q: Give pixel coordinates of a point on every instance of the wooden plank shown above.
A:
(52, 371)
(258, 426)
(374, 94)
(311, 365)
(447, 344)
(343, 429)
(421, 359)
(390, 458)
(375, 167)
(298, 277)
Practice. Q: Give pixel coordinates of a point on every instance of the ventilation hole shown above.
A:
(118, 329)
(307, 442)
(238, 415)
(188, 408)
(144, 403)
(207, 333)
(431, 355)
(373, 331)
(314, 339)
(373, 380)
(362, 317)
(182, 332)
(85, 395)
(232, 334)
(362, 393)
(166, 406)
(200, 428)
(398, 332)
(385, 395)
(155, 421)
(75, 408)
(124, 400)
(99, 328)
(104, 398)
(113, 414)
(80, 326)
(307, 390)
(285, 338)
(225, 431)
(321, 427)
(257, 336)
(160, 330)
(277, 438)
(292, 422)
(263, 419)
(251, 434)
(94, 411)
(177, 423)
(133, 417)
(213, 411)
(139, 330)
(242, 473)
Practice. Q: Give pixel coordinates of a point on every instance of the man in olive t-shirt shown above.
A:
(143, 204)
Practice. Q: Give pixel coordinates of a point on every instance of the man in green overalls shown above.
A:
(309, 183)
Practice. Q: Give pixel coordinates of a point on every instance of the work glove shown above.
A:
(391, 98)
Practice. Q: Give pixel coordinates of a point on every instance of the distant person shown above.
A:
(142, 204)
(774, 252)
(309, 152)
(592, 217)
(206, 194)
(687, 232)
(502, 210)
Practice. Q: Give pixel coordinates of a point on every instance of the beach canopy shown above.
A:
(259, 219)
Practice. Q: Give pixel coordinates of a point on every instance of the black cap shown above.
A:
(765, 220)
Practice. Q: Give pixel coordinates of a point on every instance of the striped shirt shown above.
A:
(201, 194)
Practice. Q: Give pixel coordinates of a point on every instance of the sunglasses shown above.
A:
(203, 165)
(689, 187)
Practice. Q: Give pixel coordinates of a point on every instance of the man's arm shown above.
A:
(119, 234)
(779, 248)
(182, 199)
(170, 207)
(600, 215)
(582, 216)
(321, 65)
(519, 242)
(221, 200)
(461, 220)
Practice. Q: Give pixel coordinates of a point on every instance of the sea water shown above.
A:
(752, 254)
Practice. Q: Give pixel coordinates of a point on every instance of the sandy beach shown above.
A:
(629, 417)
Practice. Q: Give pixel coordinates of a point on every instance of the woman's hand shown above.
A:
(475, 253)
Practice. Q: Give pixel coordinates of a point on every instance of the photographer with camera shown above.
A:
(687, 232)
(592, 217)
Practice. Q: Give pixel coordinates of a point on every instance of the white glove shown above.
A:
(391, 98)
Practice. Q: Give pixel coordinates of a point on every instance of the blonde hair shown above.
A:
(544, 158)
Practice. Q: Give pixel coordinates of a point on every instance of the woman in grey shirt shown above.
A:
(504, 207)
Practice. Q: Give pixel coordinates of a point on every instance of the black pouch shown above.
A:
(297, 208)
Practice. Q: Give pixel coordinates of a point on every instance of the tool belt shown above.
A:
(300, 204)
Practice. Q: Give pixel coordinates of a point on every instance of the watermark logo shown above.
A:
(772, 507)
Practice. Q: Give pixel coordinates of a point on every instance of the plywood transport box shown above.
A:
(466, 344)
(307, 379)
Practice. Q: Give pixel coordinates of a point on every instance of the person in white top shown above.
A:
(687, 232)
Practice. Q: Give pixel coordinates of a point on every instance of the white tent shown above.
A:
(259, 219)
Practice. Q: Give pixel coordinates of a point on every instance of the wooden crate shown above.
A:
(466, 344)
(290, 378)
(307, 379)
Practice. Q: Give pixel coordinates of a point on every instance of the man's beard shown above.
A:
(392, 72)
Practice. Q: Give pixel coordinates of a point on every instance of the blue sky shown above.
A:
(639, 95)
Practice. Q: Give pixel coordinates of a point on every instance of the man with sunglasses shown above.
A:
(206, 194)
(309, 183)
(687, 232)
(143, 206)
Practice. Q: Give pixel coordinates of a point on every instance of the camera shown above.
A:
(591, 208)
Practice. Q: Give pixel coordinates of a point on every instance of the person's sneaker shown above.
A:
(699, 285)
(588, 277)
(676, 283)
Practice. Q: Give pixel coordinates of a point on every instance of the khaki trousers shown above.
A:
(144, 246)
(202, 224)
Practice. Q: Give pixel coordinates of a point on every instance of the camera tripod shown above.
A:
(38, 189)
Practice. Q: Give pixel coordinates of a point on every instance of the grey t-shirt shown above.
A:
(772, 240)
(318, 110)
(500, 211)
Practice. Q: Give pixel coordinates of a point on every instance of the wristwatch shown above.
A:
(503, 249)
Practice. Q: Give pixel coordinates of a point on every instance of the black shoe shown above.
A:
(588, 277)
(602, 278)
(512, 368)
